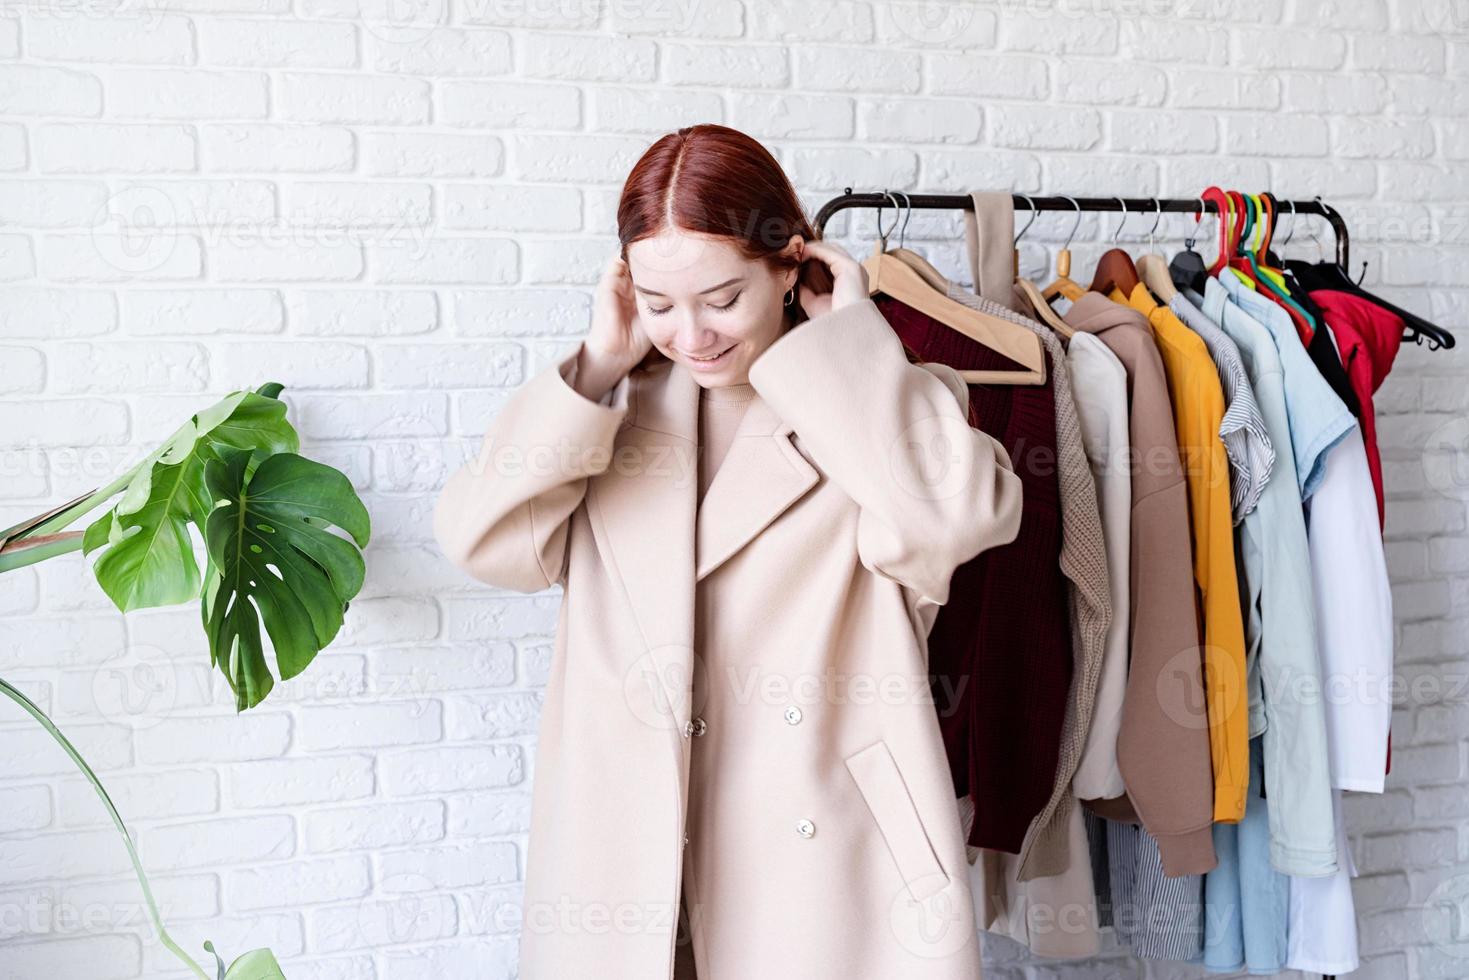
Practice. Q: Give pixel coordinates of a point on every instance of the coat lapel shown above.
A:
(646, 517)
(762, 474)
(642, 509)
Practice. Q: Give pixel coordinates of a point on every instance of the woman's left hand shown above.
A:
(849, 279)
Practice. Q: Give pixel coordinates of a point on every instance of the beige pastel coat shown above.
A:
(738, 705)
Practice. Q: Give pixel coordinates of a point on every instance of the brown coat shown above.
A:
(1163, 752)
(796, 789)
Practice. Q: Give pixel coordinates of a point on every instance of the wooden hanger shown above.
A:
(1115, 269)
(1032, 292)
(1063, 284)
(1152, 268)
(893, 277)
(1043, 311)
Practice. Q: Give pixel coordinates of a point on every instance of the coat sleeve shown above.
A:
(932, 491)
(503, 516)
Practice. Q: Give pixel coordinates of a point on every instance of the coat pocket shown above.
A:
(897, 819)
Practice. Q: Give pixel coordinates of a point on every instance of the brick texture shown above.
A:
(399, 211)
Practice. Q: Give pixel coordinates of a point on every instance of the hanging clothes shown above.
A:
(1322, 925)
(1280, 623)
(1198, 409)
(1349, 569)
(1246, 441)
(1369, 337)
(1246, 901)
(1156, 915)
(1056, 915)
(1046, 850)
(1002, 715)
(1163, 754)
(1100, 392)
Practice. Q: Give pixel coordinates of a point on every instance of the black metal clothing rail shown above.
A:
(1130, 205)
(1023, 203)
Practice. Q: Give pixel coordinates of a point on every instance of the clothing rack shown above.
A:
(1027, 202)
(1131, 205)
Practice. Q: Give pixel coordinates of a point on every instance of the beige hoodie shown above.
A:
(1163, 754)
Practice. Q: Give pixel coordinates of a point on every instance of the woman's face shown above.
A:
(706, 306)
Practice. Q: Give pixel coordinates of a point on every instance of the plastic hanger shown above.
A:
(1305, 324)
(1115, 269)
(1188, 270)
(892, 277)
(1152, 268)
(1324, 274)
(1229, 234)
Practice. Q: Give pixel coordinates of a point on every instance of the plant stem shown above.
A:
(40, 716)
(26, 550)
(65, 517)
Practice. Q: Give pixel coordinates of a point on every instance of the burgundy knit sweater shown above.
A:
(1000, 651)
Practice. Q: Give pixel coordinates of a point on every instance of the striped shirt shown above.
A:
(1246, 441)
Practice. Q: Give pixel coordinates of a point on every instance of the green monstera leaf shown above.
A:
(273, 559)
(149, 559)
(149, 556)
(258, 964)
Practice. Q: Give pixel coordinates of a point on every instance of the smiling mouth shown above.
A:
(712, 358)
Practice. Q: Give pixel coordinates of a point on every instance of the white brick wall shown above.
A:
(401, 220)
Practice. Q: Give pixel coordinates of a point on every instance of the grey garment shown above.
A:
(1096, 838)
(1046, 850)
(1157, 917)
(1246, 439)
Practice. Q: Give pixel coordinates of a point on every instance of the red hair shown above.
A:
(714, 180)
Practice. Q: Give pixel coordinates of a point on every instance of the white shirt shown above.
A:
(1099, 388)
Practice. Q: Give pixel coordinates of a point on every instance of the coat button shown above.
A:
(688, 729)
(698, 727)
(793, 715)
(805, 827)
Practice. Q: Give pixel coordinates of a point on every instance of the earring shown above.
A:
(790, 296)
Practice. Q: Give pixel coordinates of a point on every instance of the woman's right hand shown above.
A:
(617, 342)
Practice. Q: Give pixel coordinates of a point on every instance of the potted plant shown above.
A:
(265, 515)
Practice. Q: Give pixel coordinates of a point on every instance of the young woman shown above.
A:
(753, 501)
